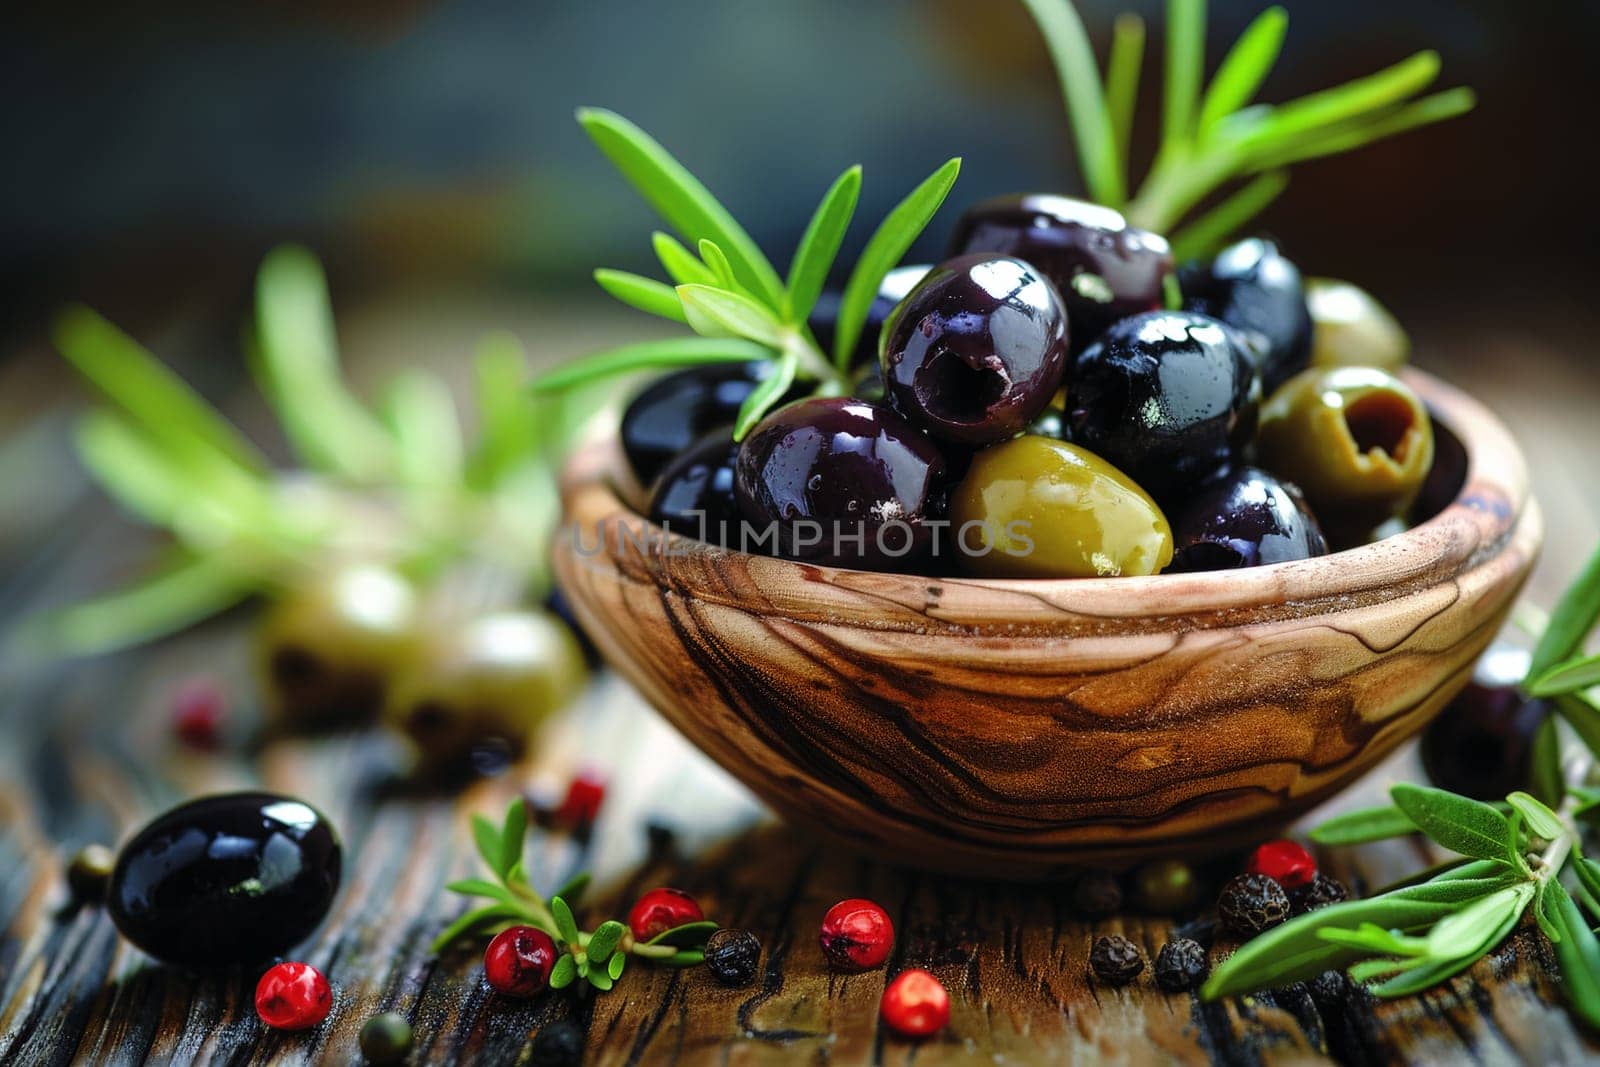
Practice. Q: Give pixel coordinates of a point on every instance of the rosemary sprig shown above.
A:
(397, 486)
(597, 957)
(727, 291)
(1212, 135)
(1522, 857)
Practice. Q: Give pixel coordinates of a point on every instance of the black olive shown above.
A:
(676, 409)
(1169, 398)
(1253, 288)
(976, 350)
(235, 878)
(824, 320)
(1103, 268)
(694, 494)
(1244, 518)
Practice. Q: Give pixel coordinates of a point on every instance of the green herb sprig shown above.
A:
(597, 957)
(1212, 135)
(1522, 857)
(396, 484)
(728, 292)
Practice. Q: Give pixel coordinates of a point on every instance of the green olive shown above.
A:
(1356, 440)
(325, 650)
(1349, 328)
(491, 683)
(1035, 507)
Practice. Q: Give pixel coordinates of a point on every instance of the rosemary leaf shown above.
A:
(1546, 779)
(723, 313)
(883, 252)
(1354, 98)
(1243, 69)
(1581, 672)
(1574, 616)
(766, 393)
(146, 389)
(422, 417)
(1186, 46)
(1073, 56)
(679, 263)
(296, 362)
(716, 262)
(819, 246)
(680, 198)
(178, 595)
(1364, 825)
(1460, 824)
(507, 430)
(649, 355)
(1122, 82)
(1577, 953)
(644, 294)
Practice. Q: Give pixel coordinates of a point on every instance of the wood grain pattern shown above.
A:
(1020, 727)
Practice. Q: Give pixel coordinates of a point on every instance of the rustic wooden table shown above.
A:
(86, 754)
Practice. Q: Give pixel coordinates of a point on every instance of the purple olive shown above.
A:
(1104, 269)
(694, 494)
(840, 481)
(976, 350)
(1244, 518)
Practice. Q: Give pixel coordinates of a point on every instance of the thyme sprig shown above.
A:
(727, 291)
(1213, 136)
(597, 957)
(1523, 857)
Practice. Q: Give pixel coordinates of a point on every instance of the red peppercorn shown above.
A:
(293, 996)
(856, 935)
(581, 806)
(519, 960)
(660, 910)
(197, 714)
(1285, 862)
(915, 1004)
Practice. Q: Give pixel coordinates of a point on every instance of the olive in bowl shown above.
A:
(678, 408)
(1357, 440)
(1252, 287)
(1349, 328)
(1034, 507)
(1104, 269)
(1169, 398)
(976, 350)
(839, 480)
(1244, 518)
(694, 494)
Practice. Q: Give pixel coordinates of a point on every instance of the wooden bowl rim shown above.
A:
(1474, 527)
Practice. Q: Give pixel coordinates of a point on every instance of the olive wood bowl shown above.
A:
(1016, 728)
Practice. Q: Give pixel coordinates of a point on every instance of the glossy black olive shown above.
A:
(976, 350)
(1104, 269)
(235, 878)
(677, 409)
(694, 495)
(824, 319)
(1481, 742)
(837, 480)
(1169, 398)
(1253, 288)
(1244, 518)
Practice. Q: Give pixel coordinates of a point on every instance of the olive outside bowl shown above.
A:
(1018, 728)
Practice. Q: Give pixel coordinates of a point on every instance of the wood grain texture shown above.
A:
(1020, 727)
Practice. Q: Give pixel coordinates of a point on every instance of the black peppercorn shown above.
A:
(1319, 894)
(1329, 989)
(1115, 960)
(1181, 965)
(732, 956)
(1097, 895)
(385, 1038)
(558, 1044)
(89, 873)
(1251, 903)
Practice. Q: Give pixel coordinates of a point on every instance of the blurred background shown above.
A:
(428, 153)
